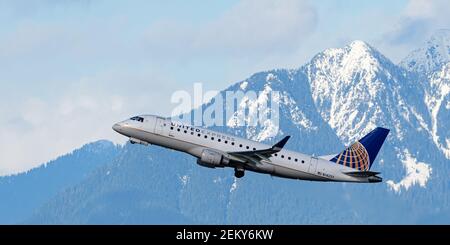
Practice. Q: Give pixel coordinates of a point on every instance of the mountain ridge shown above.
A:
(23, 193)
(429, 58)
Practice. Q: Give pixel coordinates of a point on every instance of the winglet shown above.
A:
(278, 146)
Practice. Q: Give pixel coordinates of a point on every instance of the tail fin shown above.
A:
(361, 154)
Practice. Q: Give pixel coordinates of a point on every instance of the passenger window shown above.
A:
(171, 128)
(212, 138)
(296, 160)
(247, 147)
(232, 143)
(192, 133)
(254, 148)
(303, 161)
(276, 154)
(178, 130)
(185, 131)
(289, 158)
(240, 145)
(282, 156)
(226, 142)
(198, 135)
(206, 136)
(219, 140)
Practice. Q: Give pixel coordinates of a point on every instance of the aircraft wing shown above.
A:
(254, 157)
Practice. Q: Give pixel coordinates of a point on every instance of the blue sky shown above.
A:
(70, 68)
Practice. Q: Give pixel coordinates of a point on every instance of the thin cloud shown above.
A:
(250, 28)
(419, 19)
(30, 8)
(410, 30)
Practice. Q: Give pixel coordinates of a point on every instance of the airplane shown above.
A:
(218, 150)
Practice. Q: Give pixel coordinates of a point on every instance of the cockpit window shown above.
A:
(139, 119)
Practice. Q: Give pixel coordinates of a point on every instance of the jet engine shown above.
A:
(212, 159)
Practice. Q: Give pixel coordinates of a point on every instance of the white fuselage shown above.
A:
(194, 140)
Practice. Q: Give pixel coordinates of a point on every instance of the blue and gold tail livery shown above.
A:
(361, 154)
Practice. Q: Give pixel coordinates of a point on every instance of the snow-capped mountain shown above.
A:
(356, 88)
(430, 64)
(431, 56)
(353, 86)
(331, 101)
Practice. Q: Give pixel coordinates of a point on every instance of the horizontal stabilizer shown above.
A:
(362, 174)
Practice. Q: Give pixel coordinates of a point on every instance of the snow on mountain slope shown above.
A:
(438, 101)
(416, 173)
(269, 128)
(296, 112)
(432, 56)
(430, 66)
(356, 89)
(340, 76)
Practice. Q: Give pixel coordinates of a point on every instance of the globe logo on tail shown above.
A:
(355, 156)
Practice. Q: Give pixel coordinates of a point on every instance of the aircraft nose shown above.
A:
(116, 127)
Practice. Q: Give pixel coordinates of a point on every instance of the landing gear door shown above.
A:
(313, 165)
(159, 126)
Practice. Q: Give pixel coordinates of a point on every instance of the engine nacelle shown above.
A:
(212, 159)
